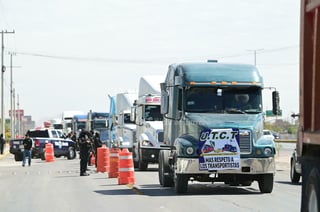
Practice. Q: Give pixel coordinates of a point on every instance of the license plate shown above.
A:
(21, 147)
(16, 142)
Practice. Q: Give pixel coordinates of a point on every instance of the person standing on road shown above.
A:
(84, 145)
(27, 144)
(97, 143)
(2, 143)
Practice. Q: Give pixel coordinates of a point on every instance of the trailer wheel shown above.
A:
(294, 175)
(266, 183)
(165, 178)
(312, 191)
(181, 183)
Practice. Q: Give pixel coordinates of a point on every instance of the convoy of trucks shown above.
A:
(149, 128)
(218, 105)
(308, 146)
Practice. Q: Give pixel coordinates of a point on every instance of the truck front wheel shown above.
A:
(294, 175)
(143, 165)
(165, 177)
(181, 183)
(266, 183)
(312, 191)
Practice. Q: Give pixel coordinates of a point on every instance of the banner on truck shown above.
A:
(219, 149)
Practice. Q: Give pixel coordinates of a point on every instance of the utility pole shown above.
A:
(255, 54)
(2, 83)
(19, 118)
(11, 95)
(15, 114)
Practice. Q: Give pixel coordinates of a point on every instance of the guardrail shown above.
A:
(285, 140)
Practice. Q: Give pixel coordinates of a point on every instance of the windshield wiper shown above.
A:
(235, 110)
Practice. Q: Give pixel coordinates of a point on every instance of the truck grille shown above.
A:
(245, 141)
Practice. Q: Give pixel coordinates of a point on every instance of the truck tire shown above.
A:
(312, 197)
(71, 153)
(143, 165)
(266, 183)
(294, 175)
(43, 155)
(18, 157)
(181, 183)
(165, 177)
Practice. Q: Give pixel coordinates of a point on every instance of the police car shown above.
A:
(62, 146)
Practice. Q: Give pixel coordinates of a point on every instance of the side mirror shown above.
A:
(164, 99)
(133, 114)
(115, 120)
(276, 103)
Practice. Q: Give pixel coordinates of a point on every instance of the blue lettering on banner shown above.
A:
(219, 149)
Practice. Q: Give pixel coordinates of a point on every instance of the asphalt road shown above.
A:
(57, 186)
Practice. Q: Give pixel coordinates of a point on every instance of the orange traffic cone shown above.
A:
(114, 162)
(49, 152)
(103, 159)
(126, 169)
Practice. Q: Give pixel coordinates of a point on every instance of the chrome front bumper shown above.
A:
(249, 165)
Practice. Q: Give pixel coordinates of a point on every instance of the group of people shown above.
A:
(88, 143)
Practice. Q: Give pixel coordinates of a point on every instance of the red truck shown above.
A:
(309, 119)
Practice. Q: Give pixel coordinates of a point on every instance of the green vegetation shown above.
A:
(281, 126)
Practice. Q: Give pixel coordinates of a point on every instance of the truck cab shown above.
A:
(218, 105)
(146, 114)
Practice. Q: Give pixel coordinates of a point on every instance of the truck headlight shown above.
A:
(189, 150)
(267, 151)
(146, 143)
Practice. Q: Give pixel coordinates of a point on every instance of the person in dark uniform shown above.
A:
(2, 143)
(27, 144)
(84, 145)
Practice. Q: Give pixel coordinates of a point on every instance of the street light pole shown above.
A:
(11, 95)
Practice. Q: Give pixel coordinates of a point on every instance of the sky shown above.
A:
(70, 55)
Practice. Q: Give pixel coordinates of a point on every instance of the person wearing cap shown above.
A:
(85, 145)
(27, 144)
(242, 101)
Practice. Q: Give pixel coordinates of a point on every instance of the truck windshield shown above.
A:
(81, 125)
(223, 100)
(99, 123)
(126, 118)
(152, 113)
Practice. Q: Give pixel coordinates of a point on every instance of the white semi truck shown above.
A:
(124, 127)
(148, 119)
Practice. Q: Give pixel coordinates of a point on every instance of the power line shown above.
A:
(143, 61)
